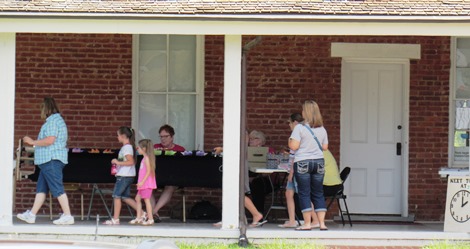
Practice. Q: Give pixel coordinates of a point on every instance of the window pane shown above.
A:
(152, 115)
(152, 63)
(182, 64)
(181, 115)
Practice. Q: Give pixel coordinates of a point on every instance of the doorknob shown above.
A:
(398, 149)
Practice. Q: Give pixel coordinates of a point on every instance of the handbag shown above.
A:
(315, 137)
(113, 169)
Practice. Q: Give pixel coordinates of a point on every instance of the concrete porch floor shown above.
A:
(361, 234)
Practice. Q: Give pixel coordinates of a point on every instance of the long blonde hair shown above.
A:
(147, 146)
(311, 113)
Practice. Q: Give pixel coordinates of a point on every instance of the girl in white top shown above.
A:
(125, 175)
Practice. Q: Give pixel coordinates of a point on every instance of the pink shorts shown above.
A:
(145, 193)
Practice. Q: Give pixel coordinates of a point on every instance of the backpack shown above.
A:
(204, 210)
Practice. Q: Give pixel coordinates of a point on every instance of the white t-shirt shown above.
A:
(125, 170)
(309, 148)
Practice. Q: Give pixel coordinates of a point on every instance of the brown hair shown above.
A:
(147, 146)
(296, 117)
(130, 134)
(49, 107)
(168, 129)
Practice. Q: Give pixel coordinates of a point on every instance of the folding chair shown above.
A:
(340, 195)
(101, 193)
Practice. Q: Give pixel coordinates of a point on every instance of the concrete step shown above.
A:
(376, 218)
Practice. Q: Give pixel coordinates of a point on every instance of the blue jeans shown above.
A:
(122, 188)
(309, 176)
(50, 178)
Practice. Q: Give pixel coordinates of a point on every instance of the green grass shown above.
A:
(276, 244)
(448, 245)
(279, 244)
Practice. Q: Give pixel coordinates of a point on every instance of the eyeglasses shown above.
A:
(165, 136)
(254, 138)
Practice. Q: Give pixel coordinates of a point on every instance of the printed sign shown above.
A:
(457, 216)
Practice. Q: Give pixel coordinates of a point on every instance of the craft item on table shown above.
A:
(200, 153)
(94, 151)
(157, 152)
(77, 150)
(187, 153)
(108, 151)
(170, 153)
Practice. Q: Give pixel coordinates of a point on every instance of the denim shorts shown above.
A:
(50, 178)
(122, 188)
(292, 185)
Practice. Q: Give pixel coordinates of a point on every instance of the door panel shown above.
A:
(371, 112)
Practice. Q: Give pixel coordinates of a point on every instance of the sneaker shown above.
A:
(27, 217)
(64, 220)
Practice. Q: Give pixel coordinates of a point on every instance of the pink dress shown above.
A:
(145, 191)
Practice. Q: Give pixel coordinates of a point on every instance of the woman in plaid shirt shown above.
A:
(50, 154)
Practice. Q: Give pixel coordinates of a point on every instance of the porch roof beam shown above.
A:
(238, 17)
(241, 27)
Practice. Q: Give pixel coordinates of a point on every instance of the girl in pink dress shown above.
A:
(146, 182)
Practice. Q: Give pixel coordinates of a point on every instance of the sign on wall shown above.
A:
(457, 216)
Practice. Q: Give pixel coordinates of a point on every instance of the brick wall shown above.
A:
(90, 75)
(283, 71)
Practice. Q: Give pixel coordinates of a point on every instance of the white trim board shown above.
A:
(375, 50)
(221, 27)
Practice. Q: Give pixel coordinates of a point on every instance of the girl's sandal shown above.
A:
(304, 228)
(148, 222)
(136, 221)
(111, 222)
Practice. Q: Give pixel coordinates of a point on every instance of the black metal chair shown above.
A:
(340, 195)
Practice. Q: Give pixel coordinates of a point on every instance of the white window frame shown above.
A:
(452, 109)
(200, 52)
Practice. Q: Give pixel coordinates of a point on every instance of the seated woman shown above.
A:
(257, 139)
(167, 134)
(166, 139)
(260, 185)
(257, 216)
(332, 182)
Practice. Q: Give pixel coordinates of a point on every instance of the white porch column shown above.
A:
(7, 102)
(231, 159)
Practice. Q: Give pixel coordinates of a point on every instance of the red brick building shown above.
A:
(91, 76)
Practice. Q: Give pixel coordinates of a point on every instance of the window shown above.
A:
(460, 103)
(168, 87)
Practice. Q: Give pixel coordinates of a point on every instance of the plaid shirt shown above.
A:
(55, 126)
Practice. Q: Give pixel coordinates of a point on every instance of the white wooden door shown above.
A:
(371, 135)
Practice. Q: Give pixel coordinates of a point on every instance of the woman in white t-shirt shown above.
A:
(308, 140)
(125, 175)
